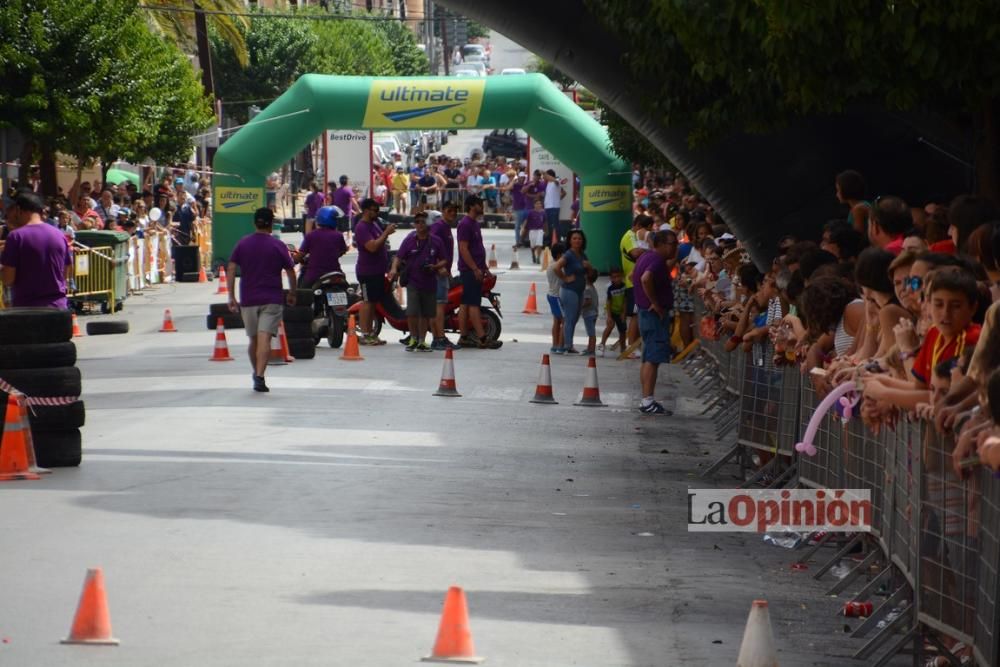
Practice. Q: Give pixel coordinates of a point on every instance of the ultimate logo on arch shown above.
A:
(600, 198)
(421, 103)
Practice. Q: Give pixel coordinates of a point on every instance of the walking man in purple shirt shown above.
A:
(654, 298)
(345, 199)
(261, 258)
(472, 269)
(36, 258)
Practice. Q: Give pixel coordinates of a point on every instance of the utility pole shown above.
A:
(445, 51)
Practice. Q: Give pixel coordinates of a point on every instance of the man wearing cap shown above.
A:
(472, 269)
(261, 258)
(322, 248)
(420, 257)
(36, 259)
(373, 260)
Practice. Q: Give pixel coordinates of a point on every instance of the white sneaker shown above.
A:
(600, 348)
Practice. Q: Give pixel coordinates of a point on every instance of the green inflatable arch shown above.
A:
(316, 103)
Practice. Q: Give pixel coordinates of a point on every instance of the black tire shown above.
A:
(335, 334)
(41, 355)
(45, 382)
(299, 330)
(303, 297)
(297, 314)
(376, 325)
(105, 327)
(58, 449)
(229, 321)
(57, 417)
(491, 324)
(302, 348)
(219, 309)
(29, 326)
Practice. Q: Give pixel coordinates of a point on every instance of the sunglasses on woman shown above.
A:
(913, 283)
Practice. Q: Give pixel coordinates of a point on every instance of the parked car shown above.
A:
(474, 50)
(467, 72)
(477, 65)
(508, 71)
(390, 145)
(506, 143)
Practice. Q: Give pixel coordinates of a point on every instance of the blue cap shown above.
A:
(683, 250)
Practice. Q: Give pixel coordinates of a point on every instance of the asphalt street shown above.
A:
(322, 523)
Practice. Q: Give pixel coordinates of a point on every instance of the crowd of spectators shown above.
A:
(900, 299)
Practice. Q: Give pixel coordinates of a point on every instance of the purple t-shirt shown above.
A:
(314, 202)
(342, 197)
(417, 254)
(40, 255)
(261, 258)
(662, 284)
(370, 263)
(519, 201)
(535, 219)
(442, 231)
(324, 247)
(468, 230)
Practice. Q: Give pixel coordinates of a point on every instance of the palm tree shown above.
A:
(187, 28)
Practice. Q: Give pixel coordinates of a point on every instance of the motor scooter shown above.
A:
(334, 295)
(389, 311)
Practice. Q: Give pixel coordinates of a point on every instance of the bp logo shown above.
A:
(423, 103)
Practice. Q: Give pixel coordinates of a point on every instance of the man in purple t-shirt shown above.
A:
(520, 204)
(373, 260)
(441, 228)
(35, 257)
(423, 255)
(472, 269)
(654, 298)
(261, 258)
(344, 199)
(314, 201)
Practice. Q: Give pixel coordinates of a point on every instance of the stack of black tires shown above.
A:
(38, 358)
(299, 326)
(230, 320)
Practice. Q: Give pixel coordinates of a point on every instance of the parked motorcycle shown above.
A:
(390, 311)
(333, 299)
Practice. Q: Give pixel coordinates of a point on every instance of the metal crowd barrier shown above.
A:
(93, 274)
(932, 558)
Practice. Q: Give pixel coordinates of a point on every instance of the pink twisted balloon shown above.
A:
(806, 446)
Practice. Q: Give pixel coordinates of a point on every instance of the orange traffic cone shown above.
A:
(531, 305)
(92, 622)
(757, 649)
(546, 257)
(202, 277)
(454, 638)
(32, 463)
(168, 322)
(76, 327)
(221, 351)
(514, 264)
(283, 341)
(352, 351)
(277, 357)
(492, 262)
(591, 396)
(447, 386)
(223, 288)
(15, 458)
(543, 392)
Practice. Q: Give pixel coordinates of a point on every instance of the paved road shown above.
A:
(321, 524)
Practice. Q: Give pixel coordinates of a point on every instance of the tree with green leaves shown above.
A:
(408, 59)
(477, 30)
(718, 67)
(350, 47)
(90, 80)
(278, 51)
(179, 26)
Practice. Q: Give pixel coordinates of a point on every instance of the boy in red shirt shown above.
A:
(953, 298)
